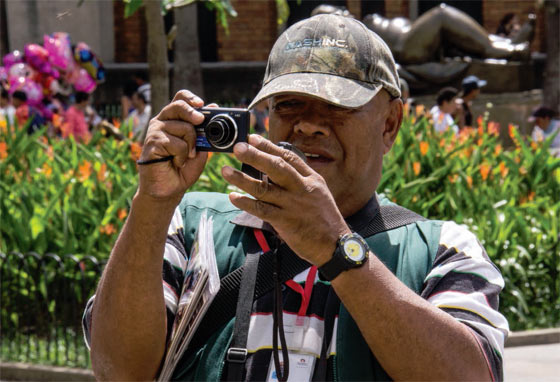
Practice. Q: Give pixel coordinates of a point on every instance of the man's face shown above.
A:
(345, 146)
(449, 107)
(542, 122)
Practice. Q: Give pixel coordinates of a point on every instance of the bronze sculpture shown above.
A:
(419, 41)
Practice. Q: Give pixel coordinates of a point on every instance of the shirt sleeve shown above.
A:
(464, 283)
(174, 266)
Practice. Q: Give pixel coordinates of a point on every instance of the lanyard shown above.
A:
(305, 293)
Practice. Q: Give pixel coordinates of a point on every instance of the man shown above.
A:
(470, 90)
(25, 113)
(443, 111)
(140, 116)
(546, 126)
(333, 93)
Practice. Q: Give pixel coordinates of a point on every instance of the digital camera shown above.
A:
(222, 129)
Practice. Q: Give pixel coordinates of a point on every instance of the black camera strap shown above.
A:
(225, 304)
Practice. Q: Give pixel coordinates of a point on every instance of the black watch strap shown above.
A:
(332, 268)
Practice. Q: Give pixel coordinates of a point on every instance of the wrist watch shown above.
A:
(351, 251)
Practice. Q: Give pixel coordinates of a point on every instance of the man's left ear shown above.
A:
(392, 123)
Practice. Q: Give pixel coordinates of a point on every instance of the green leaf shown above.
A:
(37, 226)
(131, 6)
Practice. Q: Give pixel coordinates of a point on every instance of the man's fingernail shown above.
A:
(241, 147)
(192, 153)
(198, 100)
(227, 171)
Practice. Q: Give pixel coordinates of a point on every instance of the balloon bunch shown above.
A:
(42, 71)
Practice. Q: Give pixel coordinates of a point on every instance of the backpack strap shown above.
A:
(223, 308)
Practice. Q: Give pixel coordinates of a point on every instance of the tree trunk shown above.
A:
(157, 56)
(187, 72)
(551, 88)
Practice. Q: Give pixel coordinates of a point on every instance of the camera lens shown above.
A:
(221, 131)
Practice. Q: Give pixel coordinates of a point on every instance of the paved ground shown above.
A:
(535, 363)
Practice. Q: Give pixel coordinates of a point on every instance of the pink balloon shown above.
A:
(84, 82)
(38, 57)
(60, 50)
(12, 58)
(20, 70)
(34, 92)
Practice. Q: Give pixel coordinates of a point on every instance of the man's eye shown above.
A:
(286, 105)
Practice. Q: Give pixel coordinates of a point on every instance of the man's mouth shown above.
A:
(315, 158)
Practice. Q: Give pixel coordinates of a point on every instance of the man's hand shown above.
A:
(298, 203)
(172, 133)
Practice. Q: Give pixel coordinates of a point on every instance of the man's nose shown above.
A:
(312, 126)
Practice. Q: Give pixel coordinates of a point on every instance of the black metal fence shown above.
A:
(43, 298)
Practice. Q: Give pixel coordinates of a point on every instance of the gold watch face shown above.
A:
(354, 250)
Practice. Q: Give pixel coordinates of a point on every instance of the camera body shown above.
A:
(222, 129)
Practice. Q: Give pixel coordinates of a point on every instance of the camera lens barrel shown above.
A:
(221, 131)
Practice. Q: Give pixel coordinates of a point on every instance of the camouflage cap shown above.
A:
(334, 58)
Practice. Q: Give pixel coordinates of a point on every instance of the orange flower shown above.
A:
(453, 178)
(107, 229)
(424, 148)
(468, 151)
(50, 152)
(469, 181)
(56, 120)
(503, 169)
(420, 109)
(534, 145)
(480, 130)
(102, 173)
(210, 155)
(494, 128)
(3, 150)
(3, 125)
(43, 140)
(479, 142)
(266, 123)
(47, 170)
(484, 170)
(479, 121)
(135, 151)
(416, 168)
(406, 109)
(531, 195)
(442, 142)
(117, 123)
(497, 149)
(84, 171)
(122, 213)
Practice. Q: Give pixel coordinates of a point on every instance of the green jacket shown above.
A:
(407, 251)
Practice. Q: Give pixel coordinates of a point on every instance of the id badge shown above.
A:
(301, 367)
(295, 333)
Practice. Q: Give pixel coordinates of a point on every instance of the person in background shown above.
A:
(405, 94)
(546, 125)
(75, 122)
(126, 99)
(470, 90)
(144, 86)
(140, 116)
(509, 25)
(25, 112)
(443, 111)
(7, 110)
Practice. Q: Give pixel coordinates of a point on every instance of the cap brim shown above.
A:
(336, 90)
